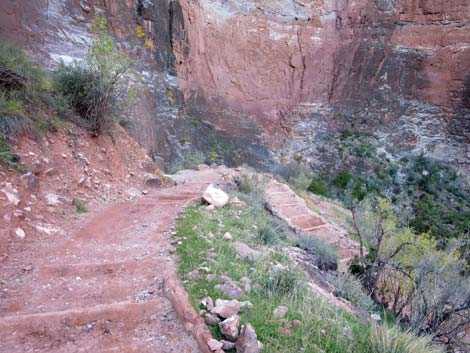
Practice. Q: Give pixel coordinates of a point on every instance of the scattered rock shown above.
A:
(211, 254)
(11, 193)
(215, 196)
(54, 199)
(31, 181)
(20, 233)
(280, 312)
(231, 290)
(152, 180)
(246, 253)
(194, 274)
(226, 308)
(208, 303)
(375, 317)
(51, 172)
(227, 345)
(214, 345)
(211, 235)
(211, 319)
(296, 322)
(246, 305)
(47, 229)
(227, 236)
(210, 207)
(229, 327)
(246, 283)
(248, 341)
(225, 279)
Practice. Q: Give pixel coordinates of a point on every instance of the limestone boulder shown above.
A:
(215, 196)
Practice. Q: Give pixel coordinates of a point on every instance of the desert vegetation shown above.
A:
(33, 101)
(411, 215)
(263, 278)
(91, 88)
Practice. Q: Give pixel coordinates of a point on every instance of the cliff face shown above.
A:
(274, 79)
(302, 70)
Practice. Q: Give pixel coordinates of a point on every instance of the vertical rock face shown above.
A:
(286, 74)
(300, 69)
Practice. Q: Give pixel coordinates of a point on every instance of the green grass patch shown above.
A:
(80, 206)
(323, 329)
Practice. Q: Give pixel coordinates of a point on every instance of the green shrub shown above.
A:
(24, 92)
(349, 287)
(272, 231)
(319, 187)
(280, 280)
(327, 256)
(301, 181)
(80, 206)
(87, 92)
(249, 182)
(8, 158)
(342, 180)
(92, 88)
(391, 339)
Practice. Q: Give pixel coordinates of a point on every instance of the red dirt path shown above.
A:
(100, 287)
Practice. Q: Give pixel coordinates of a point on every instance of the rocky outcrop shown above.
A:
(259, 81)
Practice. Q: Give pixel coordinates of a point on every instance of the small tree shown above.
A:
(424, 286)
(92, 87)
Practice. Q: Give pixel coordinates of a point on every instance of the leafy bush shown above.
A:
(319, 187)
(349, 287)
(342, 180)
(92, 88)
(327, 256)
(391, 339)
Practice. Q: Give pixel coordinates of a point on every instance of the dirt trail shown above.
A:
(100, 287)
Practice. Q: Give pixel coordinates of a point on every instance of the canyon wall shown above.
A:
(271, 81)
(306, 70)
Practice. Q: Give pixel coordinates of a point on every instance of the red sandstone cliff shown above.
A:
(281, 74)
(264, 59)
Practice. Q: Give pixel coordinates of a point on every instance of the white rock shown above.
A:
(227, 236)
(11, 193)
(54, 199)
(215, 196)
(48, 229)
(375, 317)
(20, 233)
